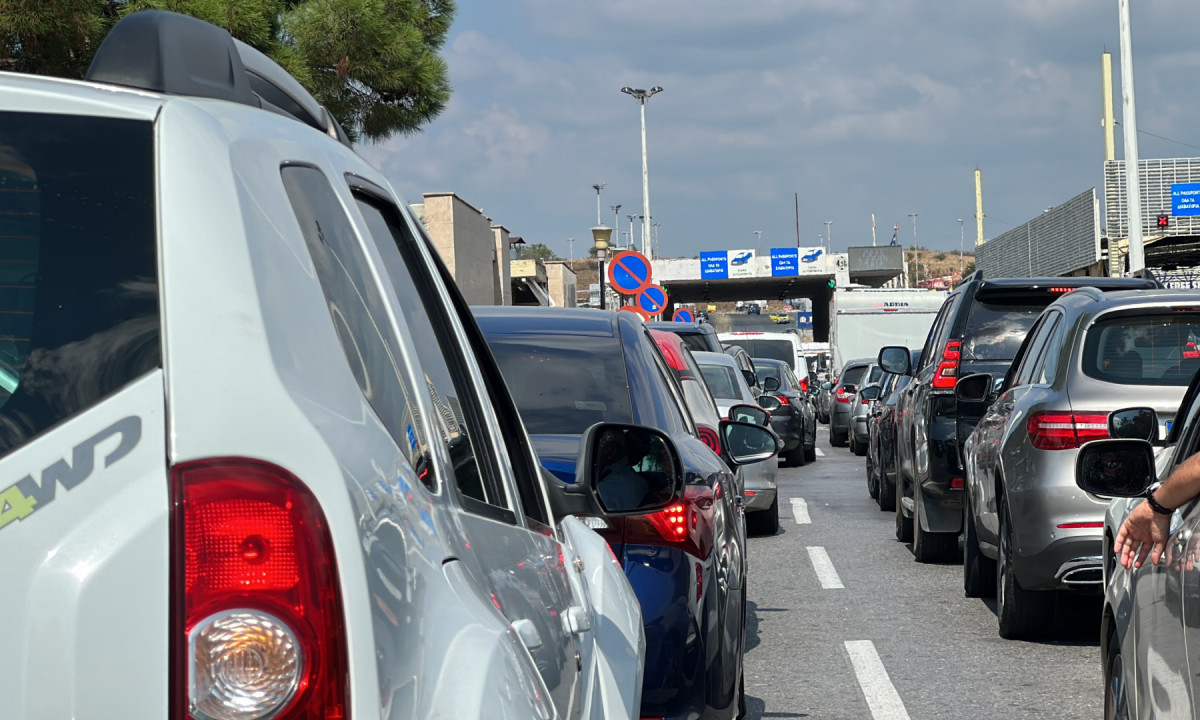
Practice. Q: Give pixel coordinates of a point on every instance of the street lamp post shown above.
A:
(631, 243)
(571, 244)
(829, 235)
(598, 187)
(616, 221)
(601, 236)
(641, 96)
(758, 253)
(961, 267)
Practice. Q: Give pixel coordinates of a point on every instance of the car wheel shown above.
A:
(1116, 694)
(810, 452)
(904, 525)
(887, 494)
(931, 547)
(1020, 613)
(860, 449)
(764, 522)
(979, 571)
(872, 480)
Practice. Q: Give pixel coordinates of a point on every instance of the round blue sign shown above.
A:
(653, 300)
(629, 272)
(682, 315)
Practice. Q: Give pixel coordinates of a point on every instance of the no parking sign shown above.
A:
(652, 300)
(629, 272)
(682, 315)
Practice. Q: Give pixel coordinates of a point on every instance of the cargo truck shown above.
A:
(862, 320)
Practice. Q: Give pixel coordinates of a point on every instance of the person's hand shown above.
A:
(1144, 533)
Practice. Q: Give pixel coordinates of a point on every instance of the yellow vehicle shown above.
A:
(780, 318)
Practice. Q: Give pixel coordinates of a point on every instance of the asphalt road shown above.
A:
(898, 639)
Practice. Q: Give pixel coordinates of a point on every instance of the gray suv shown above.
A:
(855, 374)
(1029, 529)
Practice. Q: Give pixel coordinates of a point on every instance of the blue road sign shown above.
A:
(1185, 199)
(629, 272)
(652, 300)
(714, 265)
(682, 315)
(785, 262)
(804, 320)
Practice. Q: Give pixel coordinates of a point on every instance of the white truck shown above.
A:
(862, 320)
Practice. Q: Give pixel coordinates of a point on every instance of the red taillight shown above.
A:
(865, 401)
(1061, 430)
(709, 437)
(956, 483)
(947, 369)
(842, 395)
(804, 384)
(255, 586)
(1190, 352)
(686, 525)
(1081, 525)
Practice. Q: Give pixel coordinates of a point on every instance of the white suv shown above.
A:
(258, 462)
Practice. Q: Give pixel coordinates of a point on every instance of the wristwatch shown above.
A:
(1155, 505)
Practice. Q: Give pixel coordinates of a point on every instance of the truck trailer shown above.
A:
(862, 320)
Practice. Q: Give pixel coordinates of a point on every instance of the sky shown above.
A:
(852, 106)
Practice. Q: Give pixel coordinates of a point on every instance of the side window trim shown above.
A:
(1033, 345)
(1052, 347)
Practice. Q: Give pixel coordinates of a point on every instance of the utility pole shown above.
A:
(598, 187)
(829, 236)
(797, 219)
(641, 96)
(616, 220)
(978, 208)
(758, 254)
(631, 235)
(1133, 190)
(961, 266)
(571, 244)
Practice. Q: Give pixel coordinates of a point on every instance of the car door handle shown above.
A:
(577, 620)
(528, 632)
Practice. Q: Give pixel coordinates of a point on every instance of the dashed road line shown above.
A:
(820, 452)
(800, 511)
(824, 569)
(882, 698)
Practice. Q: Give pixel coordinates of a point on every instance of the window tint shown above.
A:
(1033, 353)
(853, 375)
(564, 384)
(721, 381)
(876, 373)
(79, 313)
(356, 306)
(695, 341)
(1048, 367)
(774, 349)
(458, 427)
(766, 369)
(675, 404)
(1144, 350)
(994, 330)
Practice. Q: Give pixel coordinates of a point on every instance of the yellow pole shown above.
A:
(978, 208)
(1108, 122)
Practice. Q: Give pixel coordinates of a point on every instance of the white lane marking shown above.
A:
(800, 511)
(882, 698)
(820, 452)
(824, 569)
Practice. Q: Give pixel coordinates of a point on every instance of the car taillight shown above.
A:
(709, 437)
(1062, 430)
(865, 401)
(257, 626)
(1190, 352)
(842, 395)
(686, 525)
(804, 384)
(947, 369)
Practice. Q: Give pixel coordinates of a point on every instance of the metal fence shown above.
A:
(1156, 175)
(1061, 240)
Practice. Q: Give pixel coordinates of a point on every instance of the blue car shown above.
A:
(568, 369)
(741, 258)
(811, 255)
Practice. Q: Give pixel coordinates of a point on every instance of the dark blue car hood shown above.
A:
(558, 454)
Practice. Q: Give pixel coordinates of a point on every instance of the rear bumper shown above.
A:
(1045, 555)
(762, 499)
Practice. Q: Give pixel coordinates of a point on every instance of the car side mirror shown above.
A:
(771, 384)
(747, 443)
(751, 378)
(1134, 424)
(628, 469)
(770, 403)
(976, 387)
(895, 359)
(826, 386)
(750, 414)
(1115, 468)
(871, 392)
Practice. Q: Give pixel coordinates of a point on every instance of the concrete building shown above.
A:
(465, 238)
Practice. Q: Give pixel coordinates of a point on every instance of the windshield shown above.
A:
(79, 315)
(781, 350)
(564, 384)
(853, 375)
(722, 381)
(696, 342)
(766, 370)
(995, 329)
(1156, 350)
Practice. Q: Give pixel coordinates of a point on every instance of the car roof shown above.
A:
(677, 326)
(770, 361)
(529, 320)
(705, 357)
(1091, 300)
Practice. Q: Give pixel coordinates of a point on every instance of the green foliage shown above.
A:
(940, 256)
(538, 251)
(373, 63)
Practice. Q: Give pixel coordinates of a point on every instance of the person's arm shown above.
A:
(1145, 531)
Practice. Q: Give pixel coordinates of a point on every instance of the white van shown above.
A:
(783, 346)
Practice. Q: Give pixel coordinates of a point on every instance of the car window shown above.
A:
(773, 349)
(722, 381)
(695, 341)
(1144, 349)
(1048, 367)
(853, 375)
(79, 312)
(1038, 335)
(935, 332)
(676, 406)
(995, 329)
(765, 370)
(356, 306)
(875, 374)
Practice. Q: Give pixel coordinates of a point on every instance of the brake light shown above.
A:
(1061, 290)
(1190, 352)
(947, 369)
(257, 622)
(865, 401)
(1062, 430)
(783, 399)
(1080, 525)
(709, 437)
(804, 384)
(686, 525)
(842, 395)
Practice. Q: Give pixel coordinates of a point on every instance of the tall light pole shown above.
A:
(914, 217)
(654, 234)
(631, 243)
(1133, 191)
(758, 253)
(641, 96)
(961, 267)
(829, 235)
(571, 244)
(616, 221)
(598, 187)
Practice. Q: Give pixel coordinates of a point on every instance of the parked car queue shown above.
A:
(1093, 406)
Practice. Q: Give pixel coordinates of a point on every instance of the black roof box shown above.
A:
(178, 54)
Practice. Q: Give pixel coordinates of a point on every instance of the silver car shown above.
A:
(728, 388)
(1030, 531)
(860, 410)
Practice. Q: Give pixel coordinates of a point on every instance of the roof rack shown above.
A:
(177, 54)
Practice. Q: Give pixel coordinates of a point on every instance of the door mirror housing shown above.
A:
(895, 359)
(750, 414)
(1115, 468)
(628, 469)
(1140, 423)
(976, 387)
(750, 377)
(826, 386)
(747, 443)
(771, 384)
(770, 403)
(870, 392)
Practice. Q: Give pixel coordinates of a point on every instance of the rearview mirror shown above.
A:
(976, 387)
(770, 384)
(749, 414)
(895, 359)
(871, 392)
(1115, 468)
(1134, 424)
(770, 403)
(629, 469)
(746, 443)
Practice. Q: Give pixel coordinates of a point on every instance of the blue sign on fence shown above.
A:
(714, 265)
(785, 262)
(1185, 199)
(804, 320)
